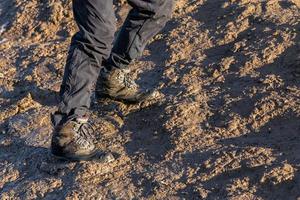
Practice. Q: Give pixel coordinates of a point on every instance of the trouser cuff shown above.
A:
(117, 61)
(59, 118)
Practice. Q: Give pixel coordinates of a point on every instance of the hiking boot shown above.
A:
(73, 140)
(117, 85)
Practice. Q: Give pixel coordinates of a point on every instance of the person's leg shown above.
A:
(96, 23)
(72, 136)
(143, 22)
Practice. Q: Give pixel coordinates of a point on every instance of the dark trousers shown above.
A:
(92, 46)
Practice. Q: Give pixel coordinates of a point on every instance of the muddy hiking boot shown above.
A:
(74, 140)
(117, 85)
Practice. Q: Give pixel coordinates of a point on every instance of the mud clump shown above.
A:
(226, 126)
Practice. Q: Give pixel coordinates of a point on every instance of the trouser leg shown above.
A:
(143, 22)
(89, 46)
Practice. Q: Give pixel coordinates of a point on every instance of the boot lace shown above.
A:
(127, 81)
(84, 134)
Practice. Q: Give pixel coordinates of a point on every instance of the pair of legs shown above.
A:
(91, 48)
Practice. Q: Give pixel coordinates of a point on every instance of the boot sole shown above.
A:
(95, 156)
(126, 101)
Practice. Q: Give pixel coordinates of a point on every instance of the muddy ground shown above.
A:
(227, 125)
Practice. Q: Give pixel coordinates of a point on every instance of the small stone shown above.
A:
(216, 74)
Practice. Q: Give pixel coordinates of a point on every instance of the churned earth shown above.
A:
(227, 125)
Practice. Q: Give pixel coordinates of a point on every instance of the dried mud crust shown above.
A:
(227, 125)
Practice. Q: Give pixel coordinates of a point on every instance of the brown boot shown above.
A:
(116, 84)
(73, 140)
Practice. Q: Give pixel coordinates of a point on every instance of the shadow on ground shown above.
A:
(36, 165)
(280, 135)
